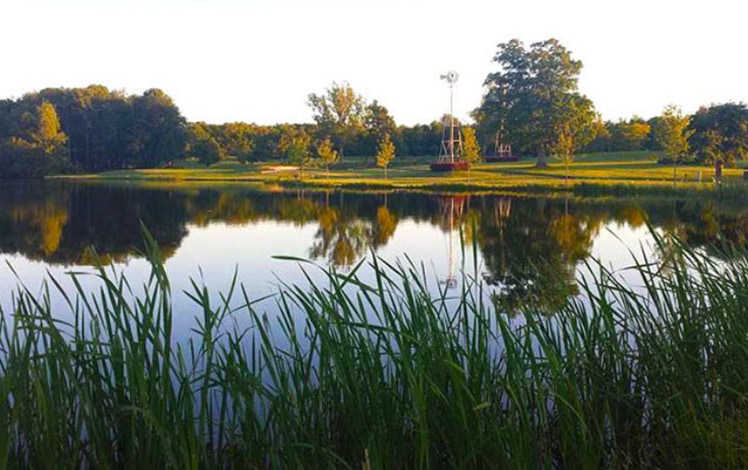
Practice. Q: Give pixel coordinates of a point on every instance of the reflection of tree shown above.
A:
(340, 240)
(346, 232)
(530, 246)
(385, 226)
(59, 223)
(703, 224)
(41, 224)
(51, 229)
(633, 215)
(531, 255)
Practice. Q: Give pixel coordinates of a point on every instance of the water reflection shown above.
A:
(530, 247)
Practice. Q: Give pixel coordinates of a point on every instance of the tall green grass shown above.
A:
(381, 374)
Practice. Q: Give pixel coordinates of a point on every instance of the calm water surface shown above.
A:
(525, 249)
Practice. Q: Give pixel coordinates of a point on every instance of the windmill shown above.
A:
(450, 153)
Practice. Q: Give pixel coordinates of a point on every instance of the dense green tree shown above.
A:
(160, 129)
(720, 133)
(99, 125)
(421, 139)
(8, 122)
(377, 122)
(339, 113)
(624, 135)
(105, 129)
(236, 139)
(202, 145)
(534, 97)
(38, 147)
(265, 143)
(601, 142)
(630, 135)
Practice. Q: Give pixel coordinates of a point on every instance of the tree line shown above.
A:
(532, 102)
(59, 130)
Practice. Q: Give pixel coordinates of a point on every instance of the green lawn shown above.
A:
(623, 169)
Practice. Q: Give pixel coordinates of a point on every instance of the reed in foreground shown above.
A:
(381, 374)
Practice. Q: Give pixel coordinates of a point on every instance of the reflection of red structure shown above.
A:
(451, 207)
(460, 165)
(502, 209)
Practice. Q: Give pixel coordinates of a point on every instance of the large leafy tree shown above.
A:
(160, 129)
(38, 146)
(236, 139)
(99, 124)
(202, 145)
(377, 122)
(720, 133)
(339, 113)
(630, 135)
(534, 98)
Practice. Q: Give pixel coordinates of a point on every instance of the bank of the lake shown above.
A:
(590, 174)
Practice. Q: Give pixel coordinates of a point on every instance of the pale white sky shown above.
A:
(257, 60)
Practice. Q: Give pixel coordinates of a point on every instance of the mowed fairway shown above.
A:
(629, 169)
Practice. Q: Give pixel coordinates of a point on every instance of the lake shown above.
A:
(526, 249)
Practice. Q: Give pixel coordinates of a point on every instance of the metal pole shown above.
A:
(451, 278)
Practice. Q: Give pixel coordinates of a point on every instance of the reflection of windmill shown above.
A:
(502, 209)
(451, 207)
(450, 152)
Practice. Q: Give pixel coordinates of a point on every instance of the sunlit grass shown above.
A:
(382, 374)
(630, 171)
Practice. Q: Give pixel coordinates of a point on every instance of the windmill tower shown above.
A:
(450, 153)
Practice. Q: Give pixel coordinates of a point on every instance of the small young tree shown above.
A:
(672, 134)
(295, 144)
(470, 147)
(564, 151)
(386, 153)
(327, 154)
